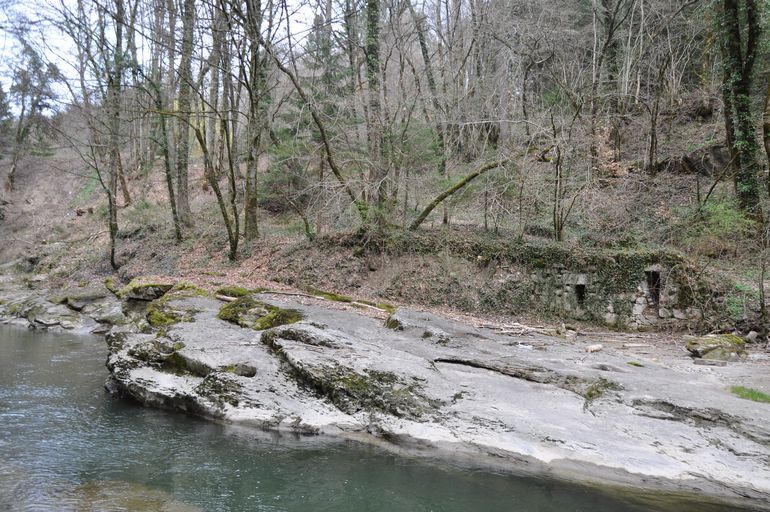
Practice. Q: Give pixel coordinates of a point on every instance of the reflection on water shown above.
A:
(67, 446)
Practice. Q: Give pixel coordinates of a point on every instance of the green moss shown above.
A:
(394, 323)
(233, 311)
(723, 347)
(597, 389)
(370, 391)
(140, 286)
(157, 317)
(634, 363)
(276, 317)
(232, 291)
(109, 283)
(388, 308)
(159, 313)
(257, 315)
(329, 295)
(750, 394)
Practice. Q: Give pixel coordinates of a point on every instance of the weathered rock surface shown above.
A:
(27, 302)
(532, 404)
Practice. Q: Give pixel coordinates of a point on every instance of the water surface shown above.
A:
(65, 445)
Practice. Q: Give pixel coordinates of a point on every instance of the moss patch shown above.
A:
(394, 323)
(597, 390)
(220, 388)
(275, 317)
(159, 313)
(750, 394)
(248, 312)
(388, 308)
(109, 283)
(723, 347)
(233, 291)
(161, 316)
(370, 390)
(144, 289)
(329, 295)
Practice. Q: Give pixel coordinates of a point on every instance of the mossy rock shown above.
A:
(722, 347)
(184, 290)
(240, 369)
(159, 316)
(152, 351)
(248, 312)
(370, 390)
(235, 312)
(109, 283)
(220, 388)
(141, 289)
(160, 313)
(233, 291)
(78, 298)
(394, 323)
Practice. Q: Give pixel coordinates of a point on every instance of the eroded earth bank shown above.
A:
(409, 380)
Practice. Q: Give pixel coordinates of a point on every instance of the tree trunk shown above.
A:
(183, 125)
(114, 89)
(255, 89)
(378, 172)
(766, 130)
(739, 56)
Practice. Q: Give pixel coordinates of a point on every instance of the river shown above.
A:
(66, 445)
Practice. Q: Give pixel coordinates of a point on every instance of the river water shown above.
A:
(65, 445)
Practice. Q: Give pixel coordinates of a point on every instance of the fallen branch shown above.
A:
(478, 171)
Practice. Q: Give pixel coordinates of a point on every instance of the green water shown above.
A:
(66, 445)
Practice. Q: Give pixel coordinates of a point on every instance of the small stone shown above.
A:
(594, 348)
(752, 336)
(679, 314)
(664, 313)
(245, 370)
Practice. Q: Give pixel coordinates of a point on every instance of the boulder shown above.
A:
(722, 347)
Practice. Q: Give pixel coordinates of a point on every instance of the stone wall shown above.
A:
(584, 295)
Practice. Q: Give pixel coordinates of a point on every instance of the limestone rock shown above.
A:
(482, 394)
(245, 370)
(147, 292)
(722, 347)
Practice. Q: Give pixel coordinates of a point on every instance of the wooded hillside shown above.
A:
(599, 123)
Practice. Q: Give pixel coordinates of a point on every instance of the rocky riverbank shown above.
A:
(417, 382)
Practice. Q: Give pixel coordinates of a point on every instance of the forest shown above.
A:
(406, 254)
(589, 124)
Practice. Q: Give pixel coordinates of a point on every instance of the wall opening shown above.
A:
(580, 294)
(653, 285)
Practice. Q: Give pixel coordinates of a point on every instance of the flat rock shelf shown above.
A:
(532, 405)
